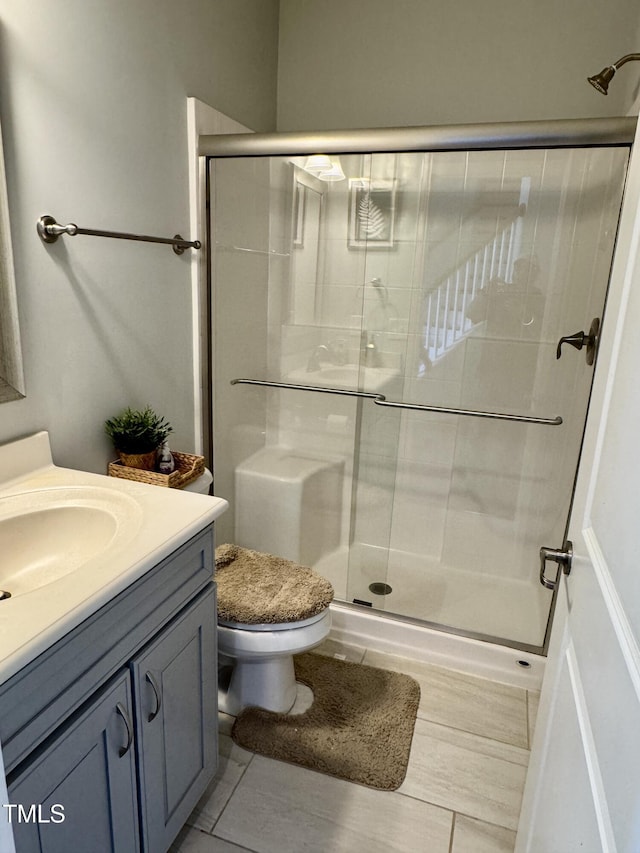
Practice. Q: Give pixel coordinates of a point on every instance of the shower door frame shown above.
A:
(495, 136)
(503, 136)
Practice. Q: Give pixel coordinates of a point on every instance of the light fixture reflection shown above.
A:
(324, 168)
(335, 173)
(317, 163)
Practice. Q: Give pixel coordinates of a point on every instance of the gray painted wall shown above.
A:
(370, 63)
(93, 108)
(93, 116)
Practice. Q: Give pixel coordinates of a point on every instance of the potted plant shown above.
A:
(137, 435)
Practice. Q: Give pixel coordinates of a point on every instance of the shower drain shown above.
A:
(379, 588)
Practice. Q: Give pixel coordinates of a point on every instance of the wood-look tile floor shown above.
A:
(461, 794)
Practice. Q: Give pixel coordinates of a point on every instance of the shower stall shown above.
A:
(403, 326)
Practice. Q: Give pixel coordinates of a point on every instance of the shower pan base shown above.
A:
(392, 635)
(425, 590)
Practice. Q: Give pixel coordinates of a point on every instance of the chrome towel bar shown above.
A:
(49, 231)
(381, 400)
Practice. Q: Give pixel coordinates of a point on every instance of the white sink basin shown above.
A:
(71, 541)
(350, 376)
(46, 534)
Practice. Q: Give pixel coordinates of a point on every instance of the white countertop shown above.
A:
(154, 522)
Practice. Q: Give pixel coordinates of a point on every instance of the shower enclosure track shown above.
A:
(500, 136)
(381, 400)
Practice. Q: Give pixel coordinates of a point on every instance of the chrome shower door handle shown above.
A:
(581, 339)
(563, 557)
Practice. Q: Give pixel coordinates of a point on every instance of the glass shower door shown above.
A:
(282, 321)
(440, 282)
(495, 257)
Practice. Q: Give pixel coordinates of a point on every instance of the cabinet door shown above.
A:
(79, 793)
(175, 690)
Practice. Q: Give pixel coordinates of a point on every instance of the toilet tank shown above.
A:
(289, 504)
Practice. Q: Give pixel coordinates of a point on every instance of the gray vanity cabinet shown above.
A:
(175, 688)
(83, 777)
(117, 722)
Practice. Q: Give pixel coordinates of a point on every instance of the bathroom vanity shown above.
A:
(108, 711)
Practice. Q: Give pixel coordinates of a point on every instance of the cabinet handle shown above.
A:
(156, 693)
(125, 717)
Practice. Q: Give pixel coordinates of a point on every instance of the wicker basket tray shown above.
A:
(188, 468)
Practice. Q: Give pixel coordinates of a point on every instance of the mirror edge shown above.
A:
(12, 385)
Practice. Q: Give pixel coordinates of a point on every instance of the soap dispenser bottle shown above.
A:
(166, 462)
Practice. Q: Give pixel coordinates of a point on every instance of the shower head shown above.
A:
(601, 81)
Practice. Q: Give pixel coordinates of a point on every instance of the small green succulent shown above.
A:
(137, 431)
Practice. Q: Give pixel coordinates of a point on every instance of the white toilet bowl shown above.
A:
(262, 660)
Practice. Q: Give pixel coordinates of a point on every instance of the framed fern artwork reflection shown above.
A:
(372, 210)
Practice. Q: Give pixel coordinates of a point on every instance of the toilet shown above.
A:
(201, 485)
(269, 609)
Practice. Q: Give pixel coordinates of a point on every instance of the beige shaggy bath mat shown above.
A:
(359, 726)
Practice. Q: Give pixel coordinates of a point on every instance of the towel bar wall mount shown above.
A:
(49, 230)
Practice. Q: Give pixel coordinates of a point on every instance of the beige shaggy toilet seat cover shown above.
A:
(256, 588)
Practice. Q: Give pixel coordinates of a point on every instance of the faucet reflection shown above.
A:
(334, 353)
(370, 351)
